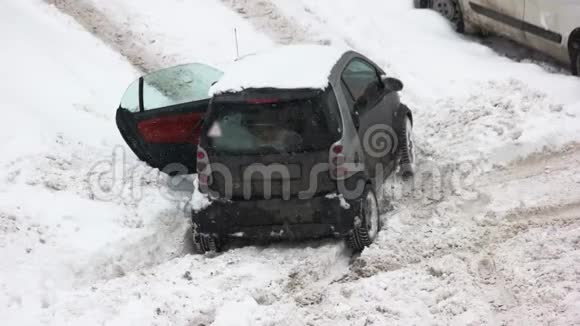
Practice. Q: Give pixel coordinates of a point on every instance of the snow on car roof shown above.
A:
(285, 67)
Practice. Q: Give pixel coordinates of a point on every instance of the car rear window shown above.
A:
(171, 86)
(270, 126)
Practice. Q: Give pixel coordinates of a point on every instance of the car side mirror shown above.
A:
(392, 84)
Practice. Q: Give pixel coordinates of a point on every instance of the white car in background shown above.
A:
(549, 26)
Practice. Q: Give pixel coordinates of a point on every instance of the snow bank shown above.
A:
(59, 91)
(199, 200)
(286, 67)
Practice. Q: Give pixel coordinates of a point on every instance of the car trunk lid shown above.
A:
(271, 144)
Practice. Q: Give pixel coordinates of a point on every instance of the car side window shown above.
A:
(358, 76)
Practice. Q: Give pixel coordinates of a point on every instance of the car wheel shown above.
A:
(575, 56)
(451, 10)
(205, 242)
(367, 223)
(407, 154)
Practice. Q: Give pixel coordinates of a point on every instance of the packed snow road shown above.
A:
(487, 233)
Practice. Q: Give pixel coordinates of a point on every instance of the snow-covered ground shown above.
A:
(489, 233)
(154, 34)
(59, 90)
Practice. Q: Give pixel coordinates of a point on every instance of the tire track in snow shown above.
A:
(486, 249)
(478, 210)
(266, 17)
(121, 39)
(490, 228)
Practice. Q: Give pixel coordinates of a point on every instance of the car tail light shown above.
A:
(341, 172)
(338, 160)
(203, 167)
(337, 148)
(173, 129)
(338, 169)
(204, 179)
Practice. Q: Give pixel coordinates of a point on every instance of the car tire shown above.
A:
(575, 56)
(204, 243)
(407, 154)
(367, 223)
(449, 9)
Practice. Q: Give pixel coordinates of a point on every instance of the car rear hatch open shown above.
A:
(161, 113)
(271, 143)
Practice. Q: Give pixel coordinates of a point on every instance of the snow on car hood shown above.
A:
(286, 67)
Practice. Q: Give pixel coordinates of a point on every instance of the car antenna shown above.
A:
(237, 47)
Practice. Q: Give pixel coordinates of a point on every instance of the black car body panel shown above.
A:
(147, 135)
(276, 218)
(287, 171)
(362, 105)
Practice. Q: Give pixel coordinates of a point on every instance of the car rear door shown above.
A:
(271, 142)
(548, 23)
(161, 113)
(504, 17)
(374, 105)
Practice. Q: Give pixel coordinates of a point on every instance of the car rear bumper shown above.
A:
(321, 216)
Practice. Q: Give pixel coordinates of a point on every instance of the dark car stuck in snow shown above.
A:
(296, 143)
